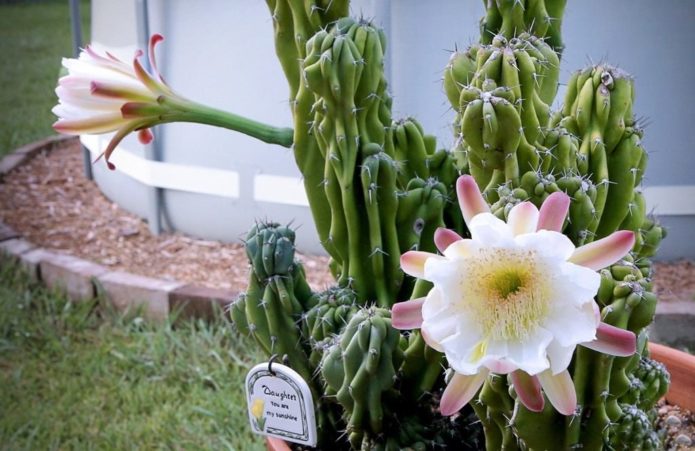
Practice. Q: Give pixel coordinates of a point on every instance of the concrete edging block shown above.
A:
(197, 301)
(128, 291)
(70, 274)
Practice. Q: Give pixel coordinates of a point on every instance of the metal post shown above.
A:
(152, 150)
(76, 21)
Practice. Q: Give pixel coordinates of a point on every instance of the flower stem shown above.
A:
(186, 111)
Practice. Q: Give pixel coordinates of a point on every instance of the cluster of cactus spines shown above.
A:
(276, 296)
(327, 318)
(509, 18)
(360, 368)
(378, 188)
(634, 430)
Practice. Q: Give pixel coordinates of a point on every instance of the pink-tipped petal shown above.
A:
(154, 40)
(413, 263)
(117, 138)
(119, 92)
(144, 77)
(559, 389)
(523, 218)
(460, 391)
(443, 238)
(407, 315)
(528, 388)
(91, 125)
(470, 199)
(145, 136)
(604, 252)
(613, 340)
(553, 212)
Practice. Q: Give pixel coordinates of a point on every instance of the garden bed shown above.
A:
(50, 202)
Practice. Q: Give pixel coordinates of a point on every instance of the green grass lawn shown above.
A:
(34, 36)
(80, 376)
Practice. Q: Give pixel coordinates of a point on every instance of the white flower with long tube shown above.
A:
(516, 298)
(102, 94)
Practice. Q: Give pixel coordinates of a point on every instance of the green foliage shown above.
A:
(34, 36)
(79, 375)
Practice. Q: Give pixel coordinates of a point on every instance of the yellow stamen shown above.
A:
(506, 291)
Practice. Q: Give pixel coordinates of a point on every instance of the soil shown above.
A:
(678, 426)
(52, 204)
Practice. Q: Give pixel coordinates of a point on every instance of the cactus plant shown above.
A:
(385, 198)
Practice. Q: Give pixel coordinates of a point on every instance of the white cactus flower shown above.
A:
(516, 297)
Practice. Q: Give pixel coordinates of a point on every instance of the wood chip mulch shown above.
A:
(50, 202)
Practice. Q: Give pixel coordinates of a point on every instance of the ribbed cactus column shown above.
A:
(379, 188)
(518, 150)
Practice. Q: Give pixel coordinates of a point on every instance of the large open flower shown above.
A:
(516, 298)
(103, 94)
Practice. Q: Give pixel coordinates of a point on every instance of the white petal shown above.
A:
(571, 324)
(434, 304)
(444, 273)
(560, 391)
(575, 284)
(488, 230)
(523, 218)
(460, 391)
(530, 354)
(554, 246)
(461, 249)
(559, 356)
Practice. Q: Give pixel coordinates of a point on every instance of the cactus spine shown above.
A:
(379, 187)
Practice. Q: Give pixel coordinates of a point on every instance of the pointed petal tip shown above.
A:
(413, 263)
(407, 315)
(444, 237)
(460, 391)
(523, 218)
(470, 198)
(553, 212)
(613, 340)
(145, 136)
(560, 391)
(528, 388)
(604, 252)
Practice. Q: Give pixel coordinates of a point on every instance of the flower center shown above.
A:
(506, 290)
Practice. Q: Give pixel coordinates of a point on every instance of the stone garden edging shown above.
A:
(82, 279)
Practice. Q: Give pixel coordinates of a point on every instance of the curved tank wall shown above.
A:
(213, 183)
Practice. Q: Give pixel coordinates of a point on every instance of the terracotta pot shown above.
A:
(276, 444)
(682, 368)
(681, 392)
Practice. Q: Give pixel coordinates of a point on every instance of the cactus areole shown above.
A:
(494, 295)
